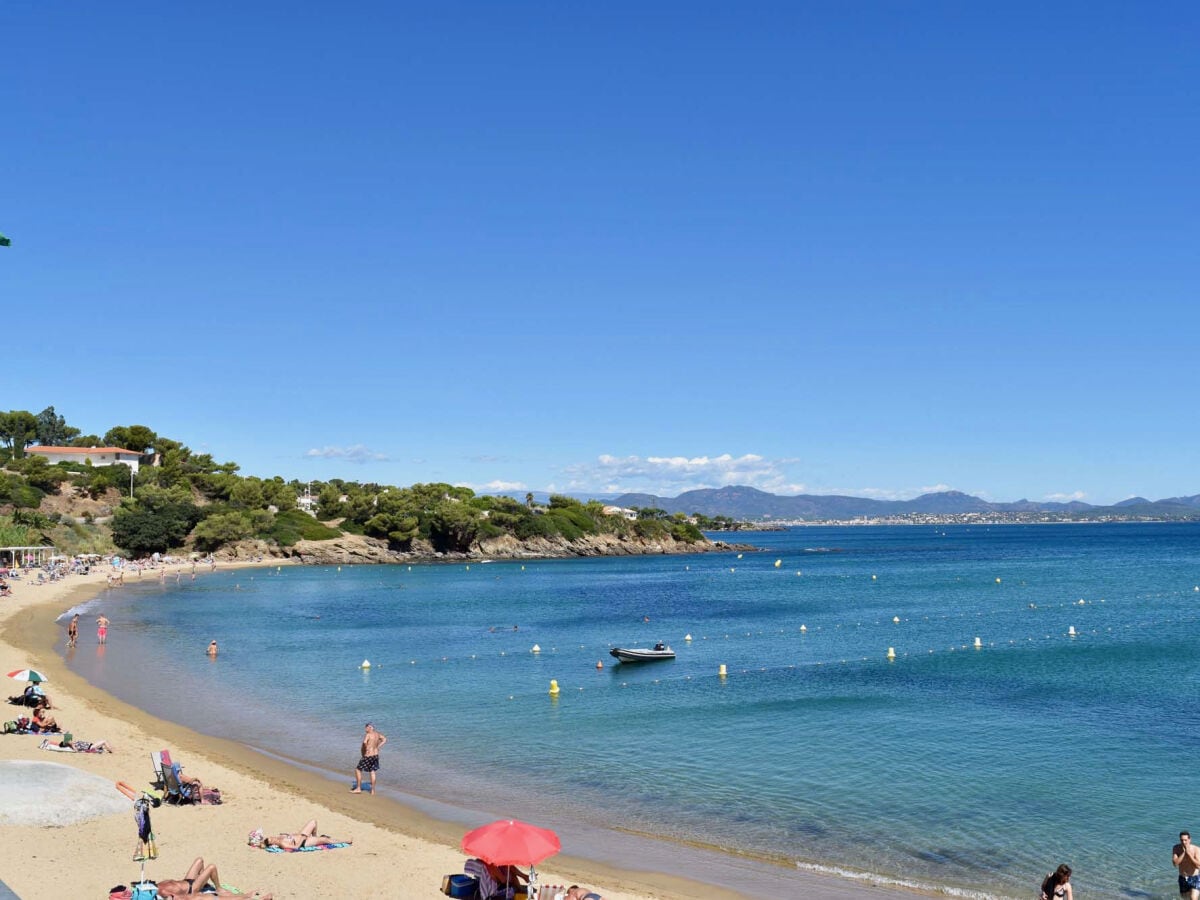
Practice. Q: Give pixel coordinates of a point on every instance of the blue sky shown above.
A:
(864, 248)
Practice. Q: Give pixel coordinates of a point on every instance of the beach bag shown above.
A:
(10, 727)
(211, 796)
(120, 892)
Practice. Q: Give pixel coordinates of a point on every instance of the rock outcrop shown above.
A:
(352, 549)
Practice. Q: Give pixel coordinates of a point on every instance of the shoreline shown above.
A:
(272, 792)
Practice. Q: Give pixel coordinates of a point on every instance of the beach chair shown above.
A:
(160, 759)
(178, 790)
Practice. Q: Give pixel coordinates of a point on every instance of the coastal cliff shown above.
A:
(355, 549)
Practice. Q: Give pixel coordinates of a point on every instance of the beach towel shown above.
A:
(337, 846)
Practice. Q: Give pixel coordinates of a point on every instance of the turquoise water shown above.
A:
(974, 770)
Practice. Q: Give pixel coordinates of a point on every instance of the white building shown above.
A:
(97, 456)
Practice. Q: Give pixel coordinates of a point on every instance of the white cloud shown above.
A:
(1066, 498)
(669, 475)
(495, 486)
(355, 454)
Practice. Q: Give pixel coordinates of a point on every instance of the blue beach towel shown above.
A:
(308, 849)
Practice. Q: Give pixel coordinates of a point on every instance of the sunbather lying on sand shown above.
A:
(305, 837)
(76, 746)
(199, 877)
(575, 892)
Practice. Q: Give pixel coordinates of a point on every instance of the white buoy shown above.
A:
(687, 637)
(721, 670)
(803, 628)
(1071, 631)
(891, 653)
(778, 563)
(978, 643)
(739, 556)
(874, 577)
(896, 619)
(535, 649)
(366, 664)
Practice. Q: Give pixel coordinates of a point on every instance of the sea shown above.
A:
(945, 707)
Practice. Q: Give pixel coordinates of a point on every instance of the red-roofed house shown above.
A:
(97, 456)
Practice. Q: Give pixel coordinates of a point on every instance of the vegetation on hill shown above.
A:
(180, 499)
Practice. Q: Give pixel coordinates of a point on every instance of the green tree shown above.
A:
(156, 521)
(222, 528)
(137, 438)
(247, 493)
(18, 429)
(38, 472)
(453, 526)
(53, 430)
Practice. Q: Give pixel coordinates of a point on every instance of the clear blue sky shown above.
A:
(866, 248)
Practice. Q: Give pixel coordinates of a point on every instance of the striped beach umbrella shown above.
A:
(27, 675)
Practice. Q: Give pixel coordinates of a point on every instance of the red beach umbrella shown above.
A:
(509, 842)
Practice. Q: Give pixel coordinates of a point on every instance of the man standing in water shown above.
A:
(73, 631)
(1186, 856)
(102, 629)
(372, 742)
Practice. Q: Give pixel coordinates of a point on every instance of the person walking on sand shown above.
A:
(73, 631)
(1186, 856)
(372, 742)
(102, 629)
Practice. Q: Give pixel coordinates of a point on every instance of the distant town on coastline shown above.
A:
(136, 492)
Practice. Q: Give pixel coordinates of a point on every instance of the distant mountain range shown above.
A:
(751, 504)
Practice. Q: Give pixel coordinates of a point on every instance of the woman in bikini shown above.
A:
(304, 838)
(199, 877)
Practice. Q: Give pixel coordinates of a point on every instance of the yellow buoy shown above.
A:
(721, 670)
(778, 563)
(366, 664)
(891, 653)
(978, 643)
(553, 686)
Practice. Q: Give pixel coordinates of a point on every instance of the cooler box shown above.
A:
(463, 886)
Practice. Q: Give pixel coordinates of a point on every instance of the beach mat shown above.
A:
(307, 849)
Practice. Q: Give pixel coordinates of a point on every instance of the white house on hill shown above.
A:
(97, 456)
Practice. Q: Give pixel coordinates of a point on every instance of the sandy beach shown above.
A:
(397, 851)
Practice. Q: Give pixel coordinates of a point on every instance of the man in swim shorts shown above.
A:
(372, 742)
(102, 629)
(1186, 856)
(73, 631)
